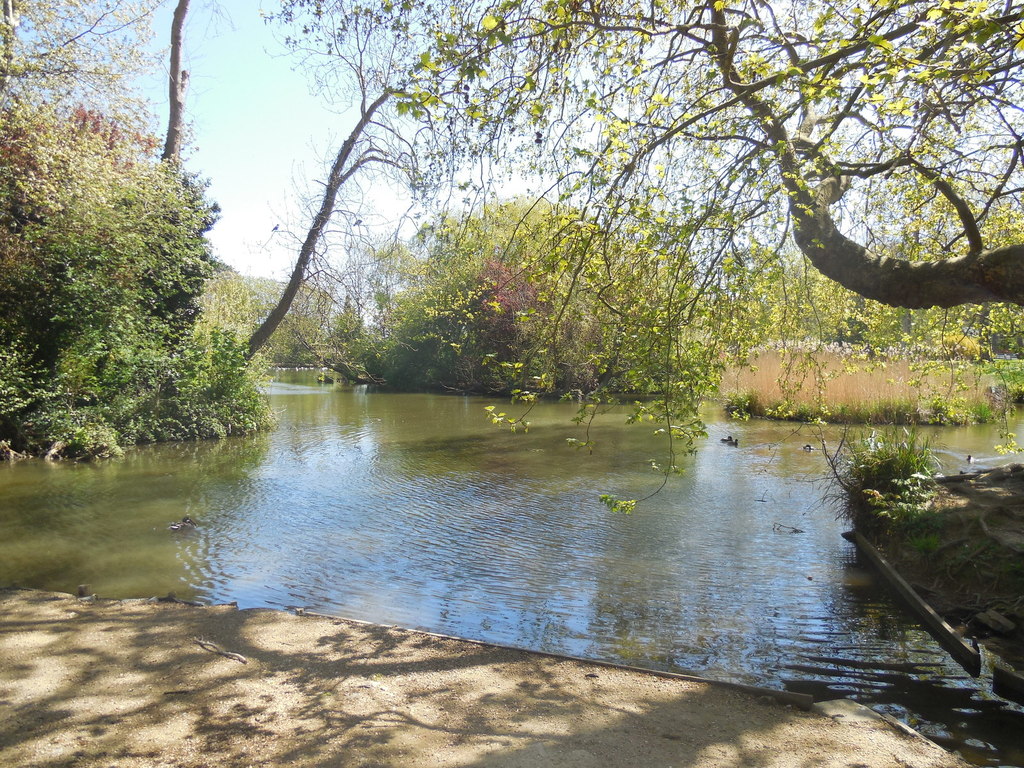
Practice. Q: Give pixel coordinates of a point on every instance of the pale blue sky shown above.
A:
(255, 132)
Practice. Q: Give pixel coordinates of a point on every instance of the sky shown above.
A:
(256, 133)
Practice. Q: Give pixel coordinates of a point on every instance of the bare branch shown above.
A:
(340, 172)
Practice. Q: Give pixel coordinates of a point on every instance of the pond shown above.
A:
(414, 510)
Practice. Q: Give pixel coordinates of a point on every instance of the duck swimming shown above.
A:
(730, 440)
(808, 447)
(186, 523)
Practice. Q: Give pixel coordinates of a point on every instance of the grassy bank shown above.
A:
(839, 389)
(956, 536)
(888, 483)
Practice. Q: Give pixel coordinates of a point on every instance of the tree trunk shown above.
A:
(338, 176)
(8, 30)
(178, 83)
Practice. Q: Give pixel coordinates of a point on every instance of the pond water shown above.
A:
(414, 510)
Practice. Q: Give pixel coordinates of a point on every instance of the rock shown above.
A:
(996, 622)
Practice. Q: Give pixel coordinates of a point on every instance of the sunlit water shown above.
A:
(414, 510)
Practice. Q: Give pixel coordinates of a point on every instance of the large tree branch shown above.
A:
(993, 275)
(977, 277)
(341, 171)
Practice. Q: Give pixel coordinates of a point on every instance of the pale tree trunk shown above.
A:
(341, 171)
(8, 30)
(178, 83)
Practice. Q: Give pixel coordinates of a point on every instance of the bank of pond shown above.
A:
(415, 510)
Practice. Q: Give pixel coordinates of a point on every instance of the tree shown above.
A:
(462, 320)
(357, 57)
(352, 155)
(885, 140)
(945, 77)
(102, 261)
(89, 53)
(886, 137)
(699, 149)
(103, 255)
(8, 30)
(484, 312)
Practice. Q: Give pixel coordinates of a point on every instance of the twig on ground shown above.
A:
(206, 645)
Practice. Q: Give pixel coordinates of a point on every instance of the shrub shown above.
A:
(102, 262)
(888, 482)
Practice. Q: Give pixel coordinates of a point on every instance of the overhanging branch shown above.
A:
(979, 276)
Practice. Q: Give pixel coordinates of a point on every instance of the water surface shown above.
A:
(414, 510)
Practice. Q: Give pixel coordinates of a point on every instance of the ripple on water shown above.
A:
(413, 510)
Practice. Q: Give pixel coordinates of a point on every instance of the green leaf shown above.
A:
(881, 42)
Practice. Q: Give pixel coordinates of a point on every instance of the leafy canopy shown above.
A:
(696, 153)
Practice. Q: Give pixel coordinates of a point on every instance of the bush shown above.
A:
(476, 316)
(102, 262)
(888, 482)
(1010, 375)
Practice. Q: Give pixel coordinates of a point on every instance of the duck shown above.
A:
(970, 459)
(187, 523)
(730, 440)
(808, 447)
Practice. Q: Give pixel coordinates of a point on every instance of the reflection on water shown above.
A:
(414, 510)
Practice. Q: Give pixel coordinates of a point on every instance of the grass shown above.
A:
(834, 388)
(1010, 376)
(887, 479)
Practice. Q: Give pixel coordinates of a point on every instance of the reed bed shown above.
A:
(835, 388)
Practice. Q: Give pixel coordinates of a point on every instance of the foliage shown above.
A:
(474, 315)
(103, 260)
(1010, 375)
(883, 411)
(86, 52)
(366, 57)
(237, 303)
(892, 123)
(841, 385)
(681, 145)
(887, 479)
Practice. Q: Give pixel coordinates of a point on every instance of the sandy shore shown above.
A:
(134, 683)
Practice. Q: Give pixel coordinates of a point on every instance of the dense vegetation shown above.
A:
(470, 304)
(718, 178)
(103, 262)
(103, 257)
(708, 181)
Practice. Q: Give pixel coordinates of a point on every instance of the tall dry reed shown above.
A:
(836, 388)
